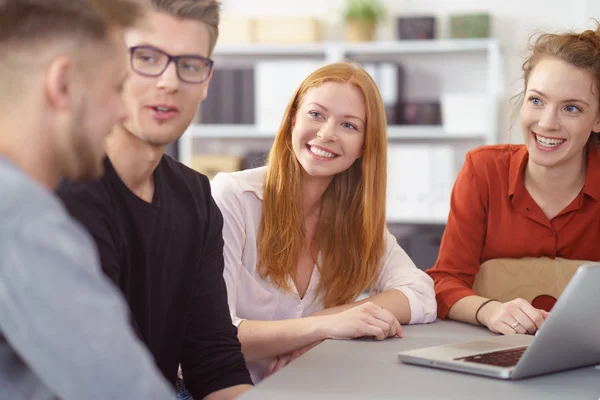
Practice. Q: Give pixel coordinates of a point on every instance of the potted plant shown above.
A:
(361, 18)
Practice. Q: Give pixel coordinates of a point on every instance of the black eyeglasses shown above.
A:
(152, 62)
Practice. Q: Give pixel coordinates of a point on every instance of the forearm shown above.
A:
(264, 339)
(228, 393)
(464, 309)
(392, 300)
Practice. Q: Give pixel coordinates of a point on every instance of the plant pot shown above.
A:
(360, 30)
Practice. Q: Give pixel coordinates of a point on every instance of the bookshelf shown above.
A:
(249, 131)
(430, 69)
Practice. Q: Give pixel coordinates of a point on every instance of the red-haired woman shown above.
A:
(306, 235)
(538, 199)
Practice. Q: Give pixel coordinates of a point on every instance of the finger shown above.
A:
(544, 313)
(281, 362)
(399, 331)
(393, 329)
(533, 313)
(271, 366)
(387, 316)
(384, 326)
(504, 328)
(516, 325)
(374, 331)
(525, 322)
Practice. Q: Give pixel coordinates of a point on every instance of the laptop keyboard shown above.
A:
(502, 358)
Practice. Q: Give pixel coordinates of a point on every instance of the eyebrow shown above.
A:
(147, 44)
(345, 116)
(564, 101)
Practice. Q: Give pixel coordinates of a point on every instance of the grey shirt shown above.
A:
(64, 328)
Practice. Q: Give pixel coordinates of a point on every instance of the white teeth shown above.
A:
(321, 153)
(162, 109)
(547, 142)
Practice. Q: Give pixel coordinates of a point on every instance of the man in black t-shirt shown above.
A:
(157, 228)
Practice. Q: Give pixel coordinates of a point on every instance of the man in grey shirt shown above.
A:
(64, 329)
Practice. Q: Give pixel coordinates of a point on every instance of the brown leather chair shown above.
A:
(540, 281)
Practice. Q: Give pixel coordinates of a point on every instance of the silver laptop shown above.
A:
(569, 338)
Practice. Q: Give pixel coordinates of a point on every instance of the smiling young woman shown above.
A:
(305, 235)
(539, 199)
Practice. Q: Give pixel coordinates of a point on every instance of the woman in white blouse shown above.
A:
(305, 236)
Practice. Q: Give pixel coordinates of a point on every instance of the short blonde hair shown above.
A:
(206, 11)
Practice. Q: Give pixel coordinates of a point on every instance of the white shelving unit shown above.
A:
(431, 67)
(238, 131)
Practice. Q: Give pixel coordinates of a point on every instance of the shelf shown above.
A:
(396, 132)
(229, 131)
(420, 46)
(382, 47)
(427, 132)
(258, 49)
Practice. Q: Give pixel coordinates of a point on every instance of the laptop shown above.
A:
(569, 338)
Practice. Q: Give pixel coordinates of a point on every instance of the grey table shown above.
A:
(369, 369)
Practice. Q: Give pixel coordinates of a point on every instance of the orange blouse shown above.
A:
(492, 215)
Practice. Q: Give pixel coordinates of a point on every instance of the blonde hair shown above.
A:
(206, 11)
(350, 232)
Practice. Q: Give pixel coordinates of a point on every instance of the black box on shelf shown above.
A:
(416, 28)
(230, 99)
(418, 113)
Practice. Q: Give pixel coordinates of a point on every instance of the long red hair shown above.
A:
(350, 232)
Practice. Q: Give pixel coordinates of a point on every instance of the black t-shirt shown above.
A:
(167, 259)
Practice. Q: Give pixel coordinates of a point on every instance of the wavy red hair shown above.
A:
(350, 232)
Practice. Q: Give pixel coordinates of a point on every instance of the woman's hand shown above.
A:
(515, 316)
(367, 319)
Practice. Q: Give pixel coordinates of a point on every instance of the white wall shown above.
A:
(513, 23)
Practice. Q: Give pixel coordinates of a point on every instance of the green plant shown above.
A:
(370, 10)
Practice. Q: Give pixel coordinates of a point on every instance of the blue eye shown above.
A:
(535, 101)
(573, 109)
(315, 114)
(349, 126)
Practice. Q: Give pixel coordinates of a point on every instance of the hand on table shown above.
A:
(367, 319)
(515, 316)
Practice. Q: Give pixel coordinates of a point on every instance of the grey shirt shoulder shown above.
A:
(64, 328)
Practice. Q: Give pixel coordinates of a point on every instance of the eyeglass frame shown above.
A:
(175, 59)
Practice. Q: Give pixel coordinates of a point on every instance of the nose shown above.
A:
(169, 80)
(548, 119)
(327, 133)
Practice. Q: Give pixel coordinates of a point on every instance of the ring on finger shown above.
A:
(515, 325)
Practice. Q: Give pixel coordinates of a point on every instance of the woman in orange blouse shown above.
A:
(533, 200)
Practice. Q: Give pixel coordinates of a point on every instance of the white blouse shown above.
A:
(239, 196)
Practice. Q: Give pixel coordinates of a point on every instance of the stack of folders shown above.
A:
(230, 99)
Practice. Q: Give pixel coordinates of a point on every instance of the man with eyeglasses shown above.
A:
(157, 228)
